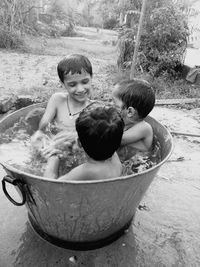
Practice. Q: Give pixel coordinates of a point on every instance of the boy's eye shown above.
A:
(72, 84)
(85, 81)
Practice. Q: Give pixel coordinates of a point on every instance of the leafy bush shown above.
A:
(126, 45)
(163, 42)
(69, 31)
(11, 40)
(110, 23)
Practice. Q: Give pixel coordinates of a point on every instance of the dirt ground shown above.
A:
(166, 232)
(35, 73)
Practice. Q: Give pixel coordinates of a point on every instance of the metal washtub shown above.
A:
(81, 215)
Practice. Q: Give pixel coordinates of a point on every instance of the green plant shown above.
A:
(16, 18)
(163, 42)
(110, 23)
(126, 45)
(11, 40)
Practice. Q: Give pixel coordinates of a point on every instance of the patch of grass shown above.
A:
(164, 87)
(68, 45)
(92, 33)
(189, 106)
(39, 94)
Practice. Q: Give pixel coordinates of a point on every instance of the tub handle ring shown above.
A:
(15, 182)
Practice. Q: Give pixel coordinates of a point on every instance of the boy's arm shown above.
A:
(136, 133)
(49, 113)
(48, 116)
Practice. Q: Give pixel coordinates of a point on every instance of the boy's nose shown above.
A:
(80, 87)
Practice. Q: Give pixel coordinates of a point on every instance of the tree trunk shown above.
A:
(121, 18)
(137, 44)
(12, 15)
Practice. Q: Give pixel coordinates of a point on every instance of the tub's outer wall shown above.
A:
(83, 212)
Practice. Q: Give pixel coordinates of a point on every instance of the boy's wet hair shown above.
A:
(138, 94)
(72, 64)
(100, 131)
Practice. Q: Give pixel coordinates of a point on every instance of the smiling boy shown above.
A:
(75, 74)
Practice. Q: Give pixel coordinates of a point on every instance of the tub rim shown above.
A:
(19, 172)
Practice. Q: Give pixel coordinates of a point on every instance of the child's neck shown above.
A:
(93, 161)
(75, 107)
(77, 104)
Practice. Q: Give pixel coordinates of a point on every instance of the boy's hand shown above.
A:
(47, 153)
(55, 148)
(37, 135)
(65, 136)
(61, 143)
(39, 139)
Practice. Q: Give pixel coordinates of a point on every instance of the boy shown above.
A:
(135, 98)
(99, 133)
(75, 73)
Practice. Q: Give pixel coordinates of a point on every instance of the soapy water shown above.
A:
(17, 151)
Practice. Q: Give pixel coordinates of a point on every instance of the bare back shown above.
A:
(95, 170)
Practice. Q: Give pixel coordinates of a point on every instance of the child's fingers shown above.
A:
(39, 139)
(60, 136)
(52, 153)
(63, 144)
(56, 152)
(56, 147)
(47, 150)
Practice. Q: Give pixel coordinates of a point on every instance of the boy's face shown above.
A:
(78, 86)
(125, 113)
(128, 114)
(118, 102)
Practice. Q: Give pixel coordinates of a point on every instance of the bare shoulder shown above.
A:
(148, 127)
(141, 127)
(75, 174)
(59, 96)
(145, 129)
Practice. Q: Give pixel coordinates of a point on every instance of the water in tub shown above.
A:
(17, 151)
(15, 146)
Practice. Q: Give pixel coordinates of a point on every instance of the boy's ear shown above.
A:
(131, 112)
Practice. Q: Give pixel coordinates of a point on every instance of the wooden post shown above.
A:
(121, 17)
(137, 44)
